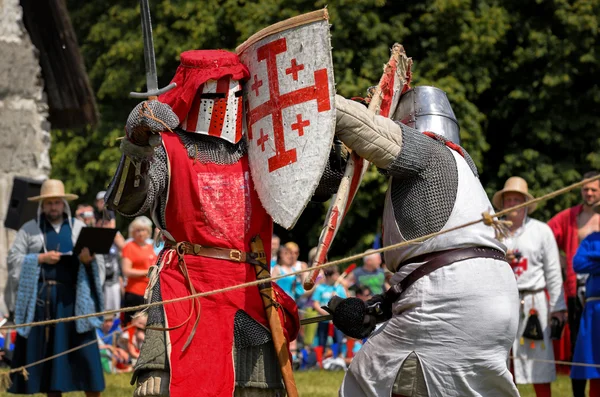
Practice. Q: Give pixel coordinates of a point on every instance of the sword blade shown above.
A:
(150, 61)
(316, 319)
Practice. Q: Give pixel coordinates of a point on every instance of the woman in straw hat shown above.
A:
(587, 347)
(533, 255)
(53, 283)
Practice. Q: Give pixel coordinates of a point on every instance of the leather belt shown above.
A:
(436, 261)
(234, 255)
(530, 291)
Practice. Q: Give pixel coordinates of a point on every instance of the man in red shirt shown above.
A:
(570, 227)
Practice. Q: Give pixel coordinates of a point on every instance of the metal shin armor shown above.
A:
(427, 108)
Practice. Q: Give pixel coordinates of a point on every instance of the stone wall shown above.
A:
(24, 129)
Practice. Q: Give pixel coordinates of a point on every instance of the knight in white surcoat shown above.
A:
(450, 324)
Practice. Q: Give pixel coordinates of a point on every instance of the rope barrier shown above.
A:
(487, 219)
(5, 381)
(571, 363)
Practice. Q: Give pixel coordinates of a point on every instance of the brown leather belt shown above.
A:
(234, 255)
(438, 260)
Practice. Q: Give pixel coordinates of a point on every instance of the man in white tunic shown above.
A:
(534, 257)
(450, 327)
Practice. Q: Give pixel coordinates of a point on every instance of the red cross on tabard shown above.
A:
(262, 140)
(300, 124)
(294, 69)
(256, 85)
(278, 101)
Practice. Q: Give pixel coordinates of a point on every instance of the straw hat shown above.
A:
(514, 184)
(53, 188)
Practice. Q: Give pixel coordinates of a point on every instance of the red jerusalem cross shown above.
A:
(294, 69)
(256, 85)
(262, 140)
(274, 106)
(300, 124)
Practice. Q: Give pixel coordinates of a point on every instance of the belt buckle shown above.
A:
(196, 248)
(235, 255)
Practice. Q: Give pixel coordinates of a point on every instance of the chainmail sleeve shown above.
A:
(159, 178)
(424, 184)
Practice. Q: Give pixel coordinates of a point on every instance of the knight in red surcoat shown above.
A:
(185, 160)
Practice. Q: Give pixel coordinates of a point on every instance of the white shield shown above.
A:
(290, 112)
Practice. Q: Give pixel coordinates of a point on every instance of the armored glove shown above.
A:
(153, 384)
(375, 138)
(357, 318)
(147, 120)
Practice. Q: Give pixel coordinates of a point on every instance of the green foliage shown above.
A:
(521, 76)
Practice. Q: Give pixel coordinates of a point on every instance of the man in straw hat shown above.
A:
(587, 347)
(533, 255)
(53, 283)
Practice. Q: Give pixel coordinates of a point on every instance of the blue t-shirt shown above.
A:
(374, 281)
(323, 293)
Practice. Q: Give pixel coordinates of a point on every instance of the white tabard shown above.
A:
(459, 320)
(538, 269)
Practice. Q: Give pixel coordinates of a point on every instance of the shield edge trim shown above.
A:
(289, 23)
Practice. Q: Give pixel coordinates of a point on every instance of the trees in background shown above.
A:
(521, 75)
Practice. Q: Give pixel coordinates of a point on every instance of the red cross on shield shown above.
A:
(290, 114)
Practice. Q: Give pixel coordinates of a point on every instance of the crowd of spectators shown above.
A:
(321, 345)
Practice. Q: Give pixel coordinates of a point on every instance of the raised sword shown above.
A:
(149, 59)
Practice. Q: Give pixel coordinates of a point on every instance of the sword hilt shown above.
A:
(152, 94)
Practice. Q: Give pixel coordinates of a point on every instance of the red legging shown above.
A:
(542, 389)
(594, 387)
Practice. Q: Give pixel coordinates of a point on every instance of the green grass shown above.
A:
(313, 384)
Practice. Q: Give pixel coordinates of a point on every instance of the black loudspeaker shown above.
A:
(20, 210)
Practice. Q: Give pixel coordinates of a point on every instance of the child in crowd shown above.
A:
(113, 358)
(323, 293)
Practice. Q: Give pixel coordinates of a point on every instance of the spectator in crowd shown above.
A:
(85, 213)
(292, 285)
(106, 218)
(363, 293)
(322, 295)
(275, 244)
(370, 274)
(534, 258)
(114, 359)
(138, 255)
(134, 337)
(309, 331)
(103, 213)
(587, 347)
(53, 283)
(570, 227)
(295, 250)
(109, 266)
